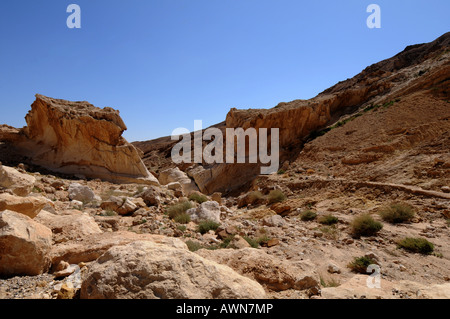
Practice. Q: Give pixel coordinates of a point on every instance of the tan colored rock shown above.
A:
(69, 224)
(80, 139)
(145, 270)
(24, 245)
(21, 184)
(93, 246)
(29, 206)
(269, 271)
(172, 175)
(238, 242)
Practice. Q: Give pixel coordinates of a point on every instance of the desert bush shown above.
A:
(182, 218)
(365, 225)
(178, 209)
(360, 264)
(397, 213)
(416, 245)
(199, 198)
(308, 215)
(328, 219)
(193, 245)
(276, 196)
(207, 225)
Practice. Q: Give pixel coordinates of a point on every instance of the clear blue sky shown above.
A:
(166, 63)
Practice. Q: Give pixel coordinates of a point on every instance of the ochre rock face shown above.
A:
(81, 139)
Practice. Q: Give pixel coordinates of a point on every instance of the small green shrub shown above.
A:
(178, 209)
(276, 196)
(365, 225)
(199, 198)
(109, 212)
(254, 197)
(193, 245)
(207, 225)
(281, 172)
(252, 242)
(397, 213)
(328, 220)
(182, 218)
(416, 245)
(329, 283)
(308, 215)
(181, 227)
(360, 264)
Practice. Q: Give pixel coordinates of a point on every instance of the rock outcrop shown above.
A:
(24, 245)
(145, 270)
(78, 138)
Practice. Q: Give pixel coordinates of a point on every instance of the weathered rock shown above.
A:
(127, 207)
(81, 193)
(206, 211)
(21, 184)
(78, 138)
(172, 175)
(238, 242)
(30, 206)
(93, 246)
(274, 221)
(152, 196)
(69, 224)
(145, 270)
(24, 245)
(269, 271)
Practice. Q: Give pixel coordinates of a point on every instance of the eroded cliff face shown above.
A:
(418, 67)
(78, 138)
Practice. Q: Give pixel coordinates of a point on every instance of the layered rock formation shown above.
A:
(78, 138)
(417, 67)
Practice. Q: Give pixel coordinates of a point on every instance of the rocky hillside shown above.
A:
(423, 67)
(364, 181)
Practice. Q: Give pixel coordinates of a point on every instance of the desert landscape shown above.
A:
(364, 180)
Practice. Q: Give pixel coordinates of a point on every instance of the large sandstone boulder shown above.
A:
(93, 246)
(269, 271)
(146, 270)
(24, 245)
(21, 184)
(78, 138)
(30, 206)
(69, 224)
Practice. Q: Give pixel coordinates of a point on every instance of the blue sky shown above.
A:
(166, 63)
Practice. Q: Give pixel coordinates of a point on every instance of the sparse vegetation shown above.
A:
(178, 209)
(199, 198)
(276, 196)
(181, 227)
(360, 264)
(207, 225)
(332, 282)
(397, 213)
(281, 172)
(365, 225)
(330, 232)
(193, 245)
(328, 220)
(416, 245)
(254, 197)
(308, 215)
(109, 212)
(182, 218)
